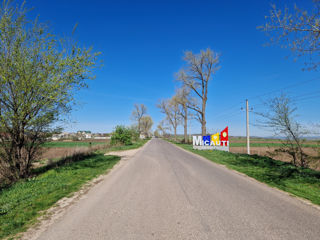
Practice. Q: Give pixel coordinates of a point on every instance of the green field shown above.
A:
(23, 202)
(71, 144)
(302, 182)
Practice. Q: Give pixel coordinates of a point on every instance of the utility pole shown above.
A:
(248, 132)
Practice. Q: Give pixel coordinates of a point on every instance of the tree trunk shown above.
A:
(203, 127)
(203, 117)
(175, 133)
(203, 123)
(185, 124)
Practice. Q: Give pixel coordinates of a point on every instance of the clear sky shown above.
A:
(142, 45)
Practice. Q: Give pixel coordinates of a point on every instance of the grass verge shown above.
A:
(302, 182)
(22, 203)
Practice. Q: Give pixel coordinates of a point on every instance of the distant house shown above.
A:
(56, 137)
(84, 134)
(99, 138)
(88, 135)
(142, 136)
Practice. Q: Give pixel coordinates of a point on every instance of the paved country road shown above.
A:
(164, 192)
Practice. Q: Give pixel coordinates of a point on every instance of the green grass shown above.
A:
(302, 182)
(71, 144)
(60, 144)
(22, 203)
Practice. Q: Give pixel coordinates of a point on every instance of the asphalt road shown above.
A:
(164, 192)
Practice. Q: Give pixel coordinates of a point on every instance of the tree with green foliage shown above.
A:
(39, 74)
(121, 135)
(134, 133)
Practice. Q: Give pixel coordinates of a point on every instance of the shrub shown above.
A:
(122, 135)
(40, 74)
(135, 136)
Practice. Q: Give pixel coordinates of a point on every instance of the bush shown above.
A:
(122, 135)
(135, 135)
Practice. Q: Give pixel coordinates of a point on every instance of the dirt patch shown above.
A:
(124, 154)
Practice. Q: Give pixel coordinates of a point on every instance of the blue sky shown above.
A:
(142, 45)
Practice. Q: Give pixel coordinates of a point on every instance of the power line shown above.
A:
(306, 98)
(229, 110)
(309, 93)
(298, 98)
(227, 116)
(285, 88)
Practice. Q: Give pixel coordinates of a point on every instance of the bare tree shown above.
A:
(280, 117)
(163, 128)
(184, 100)
(297, 29)
(196, 75)
(171, 109)
(138, 112)
(156, 133)
(146, 125)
